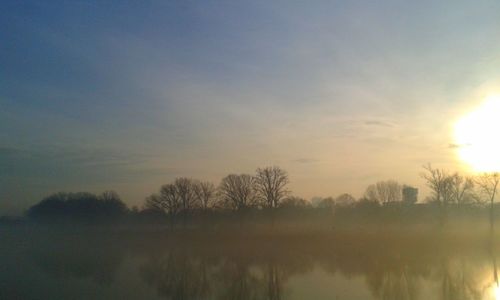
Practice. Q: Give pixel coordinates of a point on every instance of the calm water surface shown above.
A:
(45, 265)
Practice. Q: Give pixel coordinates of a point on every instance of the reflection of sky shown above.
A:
(119, 95)
(320, 285)
(434, 267)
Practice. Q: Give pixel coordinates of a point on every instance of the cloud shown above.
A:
(64, 163)
(458, 146)
(379, 123)
(305, 160)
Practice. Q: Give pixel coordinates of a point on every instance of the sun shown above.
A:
(495, 291)
(477, 136)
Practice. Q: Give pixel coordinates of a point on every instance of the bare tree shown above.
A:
(185, 191)
(167, 200)
(170, 199)
(238, 191)
(488, 185)
(270, 184)
(295, 202)
(204, 192)
(461, 189)
(384, 192)
(345, 200)
(110, 196)
(441, 184)
(174, 198)
(155, 202)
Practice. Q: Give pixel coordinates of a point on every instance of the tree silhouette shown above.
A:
(461, 189)
(78, 207)
(238, 191)
(112, 204)
(167, 200)
(295, 202)
(345, 200)
(441, 185)
(185, 190)
(271, 184)
(488, 185)
(204, 192)
(384, 192)
(327, 203)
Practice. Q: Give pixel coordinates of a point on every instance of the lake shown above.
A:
(105, 264)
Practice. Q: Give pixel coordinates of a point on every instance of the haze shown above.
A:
(97, 96)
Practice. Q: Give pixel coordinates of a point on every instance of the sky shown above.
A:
(128, 95)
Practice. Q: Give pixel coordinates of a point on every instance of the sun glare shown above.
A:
(477, 136)
(495, 291)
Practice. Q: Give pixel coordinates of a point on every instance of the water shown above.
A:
(106, 265)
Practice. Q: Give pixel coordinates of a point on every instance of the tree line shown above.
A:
(455, 190)
(267, 191)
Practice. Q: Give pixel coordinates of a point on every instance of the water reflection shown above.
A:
(68, 258)
(179, 274)
(207, 268)
(176, 275)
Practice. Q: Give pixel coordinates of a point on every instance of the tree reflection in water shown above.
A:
(391, 267)
(392, 271)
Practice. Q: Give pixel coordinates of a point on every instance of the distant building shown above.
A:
(410, 195)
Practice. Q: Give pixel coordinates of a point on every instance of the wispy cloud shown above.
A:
(305, 160)
(379, 123)
(458, 146)
(65, 163)
(84, 155)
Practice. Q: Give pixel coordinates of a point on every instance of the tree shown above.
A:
(109, 196)
(461, 189)
(365, 204)
(270, 184)
(328, 202)
(441, 185)
(167, 200)
(154, 202)
(384, 192)
(295, 202)
(78, 207)
(204, 192)
(488, 185)
(185, 190)
(112, 204)
(345, 200)
(238, 191)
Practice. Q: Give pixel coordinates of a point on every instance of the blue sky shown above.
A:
(127, 95)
